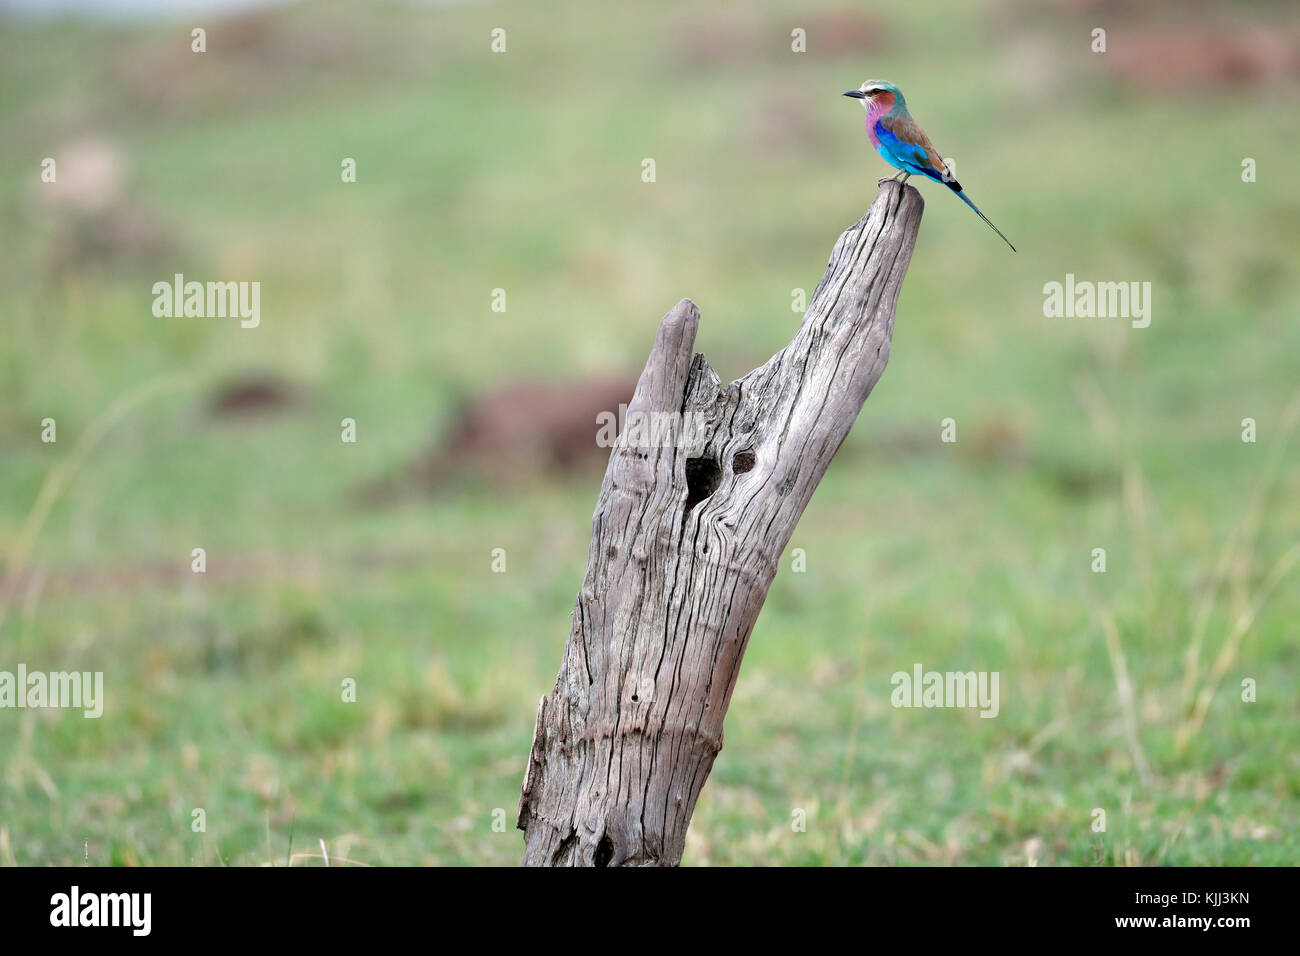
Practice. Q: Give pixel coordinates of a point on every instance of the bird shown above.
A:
(903, 144)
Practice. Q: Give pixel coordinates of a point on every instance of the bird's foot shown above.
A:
(890, 179)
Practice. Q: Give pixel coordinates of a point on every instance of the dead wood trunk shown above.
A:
(684, 545)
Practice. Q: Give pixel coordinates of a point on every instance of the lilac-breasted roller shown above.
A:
(903, 144)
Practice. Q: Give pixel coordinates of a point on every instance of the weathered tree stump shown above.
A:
(684, 545)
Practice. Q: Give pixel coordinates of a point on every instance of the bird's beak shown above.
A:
(856, 94)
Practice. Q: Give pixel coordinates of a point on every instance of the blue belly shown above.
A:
(905, 156)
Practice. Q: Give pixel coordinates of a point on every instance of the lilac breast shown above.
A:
(871, 131)
(878, 108)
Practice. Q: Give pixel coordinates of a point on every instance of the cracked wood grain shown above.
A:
(685, 543)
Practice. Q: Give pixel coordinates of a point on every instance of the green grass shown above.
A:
(522, 172)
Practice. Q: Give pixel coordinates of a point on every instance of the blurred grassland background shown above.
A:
(523, 171)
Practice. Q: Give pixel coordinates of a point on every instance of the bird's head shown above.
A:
(877, 93)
